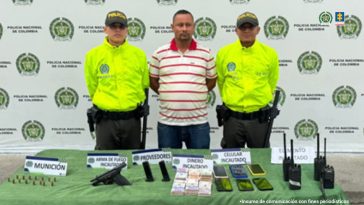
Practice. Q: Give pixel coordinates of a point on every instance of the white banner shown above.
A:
(43, 97)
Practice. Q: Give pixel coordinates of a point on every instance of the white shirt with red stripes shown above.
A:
(182, 78)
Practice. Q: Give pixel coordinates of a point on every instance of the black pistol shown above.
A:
(112, 176)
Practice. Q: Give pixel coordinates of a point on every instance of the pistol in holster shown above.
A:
(142, 111)
(222, 114)
(94, 115)
(268, 113)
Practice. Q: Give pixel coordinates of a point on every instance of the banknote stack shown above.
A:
(192, 182)
(179, 183)
(204, 187)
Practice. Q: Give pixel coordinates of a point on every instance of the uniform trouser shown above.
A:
(237, 133)
(118, 134)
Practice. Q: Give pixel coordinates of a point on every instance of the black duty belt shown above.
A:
(119, 115)
(247, 116)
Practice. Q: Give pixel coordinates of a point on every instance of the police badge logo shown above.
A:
(239, 1)
(276, 27)
(91, 160)
(205, 29)
(61, 29)
(167, 2)
(136, 29)
(344, 97)
(4, 99)
(29, 164)
(27, 64)
(211, 98)
(309, 62)
(136, 158)
(306, 129)
(22, 2)
(104, 69)
(351, 28)
(231, 66)
(94, 2)
(66, 98)
(33, 131)
(215, 157)
(176, 161)
(325, 17)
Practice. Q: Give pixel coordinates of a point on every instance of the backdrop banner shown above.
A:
(43, 97)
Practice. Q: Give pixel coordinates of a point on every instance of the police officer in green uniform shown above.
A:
(248, 72)
(116, 75)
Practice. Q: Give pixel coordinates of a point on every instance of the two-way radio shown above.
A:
(294, 173)
(320, 161)
(287, 161)
(327, 173)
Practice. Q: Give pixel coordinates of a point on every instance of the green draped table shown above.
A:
(76, 188)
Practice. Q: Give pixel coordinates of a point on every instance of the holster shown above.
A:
(94, 115)
(267, 114)
(223, 114)
(142, 110)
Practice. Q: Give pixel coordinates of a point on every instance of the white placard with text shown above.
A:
(302, 155)
(192, 162)
(153, 156)
(44, 165)
(230, 156)
(105, 160)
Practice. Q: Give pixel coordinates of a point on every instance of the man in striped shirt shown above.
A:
(182, 73)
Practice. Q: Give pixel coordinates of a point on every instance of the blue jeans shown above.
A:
(194, 136)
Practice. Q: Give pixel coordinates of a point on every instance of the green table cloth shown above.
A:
(75, 188)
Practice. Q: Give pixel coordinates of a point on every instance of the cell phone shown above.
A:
(223, 184)
(244, 185)
(220, 172)
(238, 171)
(256, 170)
(262, 184)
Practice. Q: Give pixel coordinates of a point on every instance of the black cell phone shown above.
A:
(256, 170)
(262, 184)
(220, 172)
(238, 171)
(244, 185)
(223, 184)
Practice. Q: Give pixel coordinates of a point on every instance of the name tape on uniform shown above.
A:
(44, 165)
(105, 160)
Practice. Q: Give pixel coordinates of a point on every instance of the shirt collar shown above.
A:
(173, 45)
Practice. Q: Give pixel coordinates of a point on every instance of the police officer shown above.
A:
(116, 75)
(248, 72)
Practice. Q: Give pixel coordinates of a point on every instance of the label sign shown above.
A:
(230, 156)
(153, 156)
(192, 162)
(302, 155)
(105, 160)
(44, 165)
